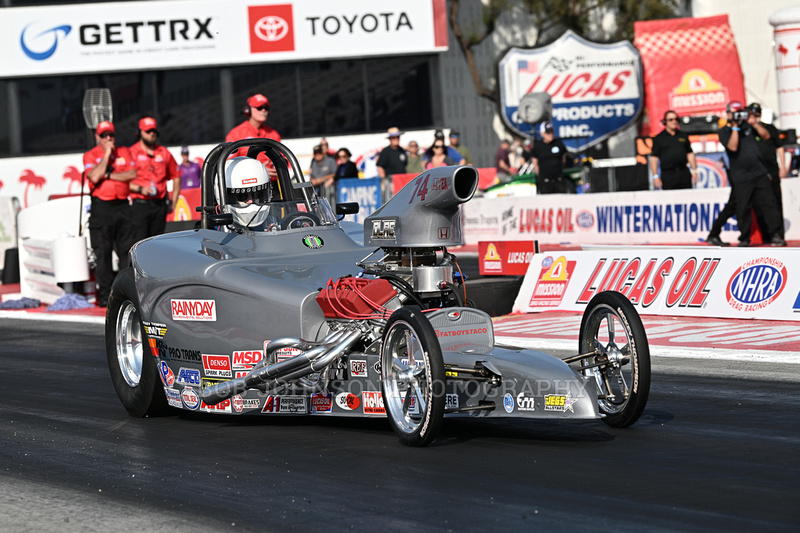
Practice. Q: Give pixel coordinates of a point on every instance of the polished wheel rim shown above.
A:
(612, 366)
(405, 377)
(129, 343)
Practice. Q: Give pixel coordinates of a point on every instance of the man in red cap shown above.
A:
(155, 165)
(257, 112)
(109, 169)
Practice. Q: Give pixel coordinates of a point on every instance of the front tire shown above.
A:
(133, 368)
(621, 367)
(412, 377)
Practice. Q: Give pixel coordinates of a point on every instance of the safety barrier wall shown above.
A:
(745, 283)
(640, 217)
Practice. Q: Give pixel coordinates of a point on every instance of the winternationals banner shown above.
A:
(691, 281)
(124, 36)
(691, 66)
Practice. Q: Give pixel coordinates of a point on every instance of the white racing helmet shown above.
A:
(248, 188)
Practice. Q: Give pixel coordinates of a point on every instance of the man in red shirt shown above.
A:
(257, 112)
(155, 165)
(109, 169)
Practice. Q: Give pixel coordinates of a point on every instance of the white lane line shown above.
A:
(23, 315)
(683, 352)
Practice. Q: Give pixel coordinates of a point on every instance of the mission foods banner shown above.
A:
(596, 89)
(156, 35)
(640, 217)
(761, 283)
(691, 66)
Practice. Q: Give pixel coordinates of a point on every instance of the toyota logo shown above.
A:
(271, 28)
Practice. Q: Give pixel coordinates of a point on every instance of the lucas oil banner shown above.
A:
(691, 66)
(669, 281)
(596, 89)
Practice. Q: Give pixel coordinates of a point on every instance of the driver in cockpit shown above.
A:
(249, 193)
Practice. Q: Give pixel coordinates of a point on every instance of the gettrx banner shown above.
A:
(709, 282)
(691, 66)
(156, 35)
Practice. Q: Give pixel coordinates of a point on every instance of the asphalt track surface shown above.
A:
(717, 449)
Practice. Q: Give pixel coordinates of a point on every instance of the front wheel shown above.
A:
(133, 369)
(412, 375)
(612, 329)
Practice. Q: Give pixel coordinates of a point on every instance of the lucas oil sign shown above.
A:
(596, 89)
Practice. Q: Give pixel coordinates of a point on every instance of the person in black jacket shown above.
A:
(345, 168)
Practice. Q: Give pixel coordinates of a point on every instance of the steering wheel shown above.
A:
(299, 219)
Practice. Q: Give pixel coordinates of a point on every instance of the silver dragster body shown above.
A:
(293, 316)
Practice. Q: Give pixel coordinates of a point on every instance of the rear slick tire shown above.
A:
(414, 390)
(133, 368)
(612, 327)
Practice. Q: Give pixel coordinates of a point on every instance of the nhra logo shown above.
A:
(756, 284)
(40, 45)
(271, 28)
(584, 219)
(711, 173)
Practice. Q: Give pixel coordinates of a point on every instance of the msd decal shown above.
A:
(642, 282)
(217, 366)
(271, 28)
(596, 90)
(552, 283)
(246, 359)
(203, 310)
(756, 284)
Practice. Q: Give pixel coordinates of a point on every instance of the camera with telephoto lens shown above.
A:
(740, 116)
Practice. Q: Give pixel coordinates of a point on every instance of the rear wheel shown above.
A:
(133, 368)
(611, 328)
(412, 374)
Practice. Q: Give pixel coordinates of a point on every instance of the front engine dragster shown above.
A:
(271, 308)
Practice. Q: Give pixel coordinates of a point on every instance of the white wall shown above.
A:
(749, 20)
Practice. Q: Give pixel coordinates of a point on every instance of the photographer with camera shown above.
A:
(750, 185)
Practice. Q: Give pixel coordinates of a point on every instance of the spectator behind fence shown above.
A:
(455, 143)
(345, 168)
(502, 163)
(436, 155)
(414, 165)
(154, 165)
(322, 171)
(392, 159)
(190, 171)
(673, 151)
(109, 169)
